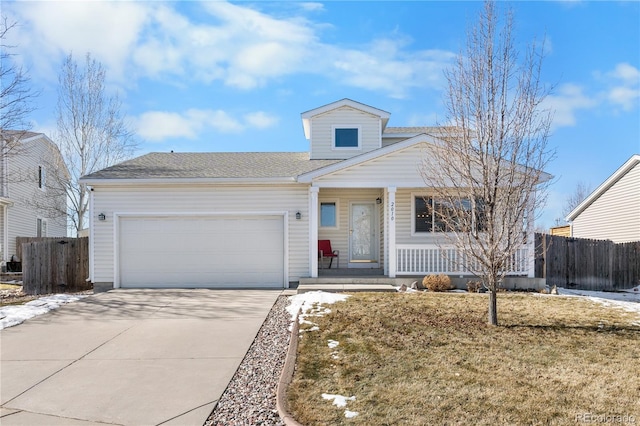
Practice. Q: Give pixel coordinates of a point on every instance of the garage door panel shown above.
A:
(201, 252)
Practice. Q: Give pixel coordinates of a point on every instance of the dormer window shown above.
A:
(346, 137)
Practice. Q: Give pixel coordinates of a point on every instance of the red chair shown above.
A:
(325, 252)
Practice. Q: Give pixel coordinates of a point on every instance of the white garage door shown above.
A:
(210, 251)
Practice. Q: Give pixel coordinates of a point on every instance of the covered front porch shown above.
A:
(374, 231)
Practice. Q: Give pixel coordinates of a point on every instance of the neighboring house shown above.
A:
(612, 211)
(30, 203)
(561, 231)
(254, 219)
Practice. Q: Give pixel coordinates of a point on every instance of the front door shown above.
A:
(363, 240)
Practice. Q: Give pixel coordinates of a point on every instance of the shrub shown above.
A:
(437, 282)
(473, 286)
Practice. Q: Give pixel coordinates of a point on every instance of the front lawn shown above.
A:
(430, 358)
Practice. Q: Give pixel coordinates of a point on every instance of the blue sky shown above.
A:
(217, 76)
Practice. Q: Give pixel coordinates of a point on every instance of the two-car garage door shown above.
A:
(201, 251)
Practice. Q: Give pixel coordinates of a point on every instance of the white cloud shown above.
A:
(160, 125)
(217, 41)
(260, 119)
(108, 30)
(614, 90)
(569, 99)
(627, 73)
(311, 6)
(624, 91)
(157, 126)
(386, 66)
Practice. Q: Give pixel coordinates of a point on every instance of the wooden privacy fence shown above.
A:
(587, 264)
(54, 265)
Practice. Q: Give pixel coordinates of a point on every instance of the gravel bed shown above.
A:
(250, 397)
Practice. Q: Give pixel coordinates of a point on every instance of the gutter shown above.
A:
(185, 181)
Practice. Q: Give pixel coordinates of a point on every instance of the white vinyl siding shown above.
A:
(23, 189)
(206, 199)
(615, 215)
(324, 125)
(399, 169)
(386, 141)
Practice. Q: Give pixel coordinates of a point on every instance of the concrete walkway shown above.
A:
(128, 357)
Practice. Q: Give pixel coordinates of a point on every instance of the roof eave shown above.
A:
(615, 177)
(184, 181)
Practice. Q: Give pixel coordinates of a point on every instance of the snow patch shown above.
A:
(350, 414)
(16, 314)
(333, 344)
(310, 305)
(338, 400)
(628, 300)
(307, 301)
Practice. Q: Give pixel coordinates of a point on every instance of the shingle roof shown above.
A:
(213, 165)
(418, 130)
(22, 134)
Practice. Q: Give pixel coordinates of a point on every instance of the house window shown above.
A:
(42, 177)
(432, 214)
(346, 137)
(328, 214)
(41, 228)
(423, 216)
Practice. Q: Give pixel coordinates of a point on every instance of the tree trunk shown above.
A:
(493, 306)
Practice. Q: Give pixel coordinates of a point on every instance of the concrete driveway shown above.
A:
(128, 357)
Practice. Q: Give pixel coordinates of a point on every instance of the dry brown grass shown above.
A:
(430, 358)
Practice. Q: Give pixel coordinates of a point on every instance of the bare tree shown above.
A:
(91, 133)
(580, 193)
(16, 94)
(487, 172)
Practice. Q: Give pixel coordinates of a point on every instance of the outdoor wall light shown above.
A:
(378, 200)
(102, 216)
(298, 215)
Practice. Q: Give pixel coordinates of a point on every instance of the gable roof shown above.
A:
(358, 159)
(411, 130)
(615, 177)
(25, 137)
(225, 166)
(306, 116)
(19, 134)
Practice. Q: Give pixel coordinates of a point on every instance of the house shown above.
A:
(561, 231)
(612, 210)
(254, 219)
(30, 203)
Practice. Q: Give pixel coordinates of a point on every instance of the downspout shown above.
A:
(5, 232)
(91, 239)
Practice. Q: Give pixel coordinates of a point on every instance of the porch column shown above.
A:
(391, 214)
(531, 244)
(313, 231)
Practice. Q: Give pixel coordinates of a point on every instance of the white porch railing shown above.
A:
(424, 259)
